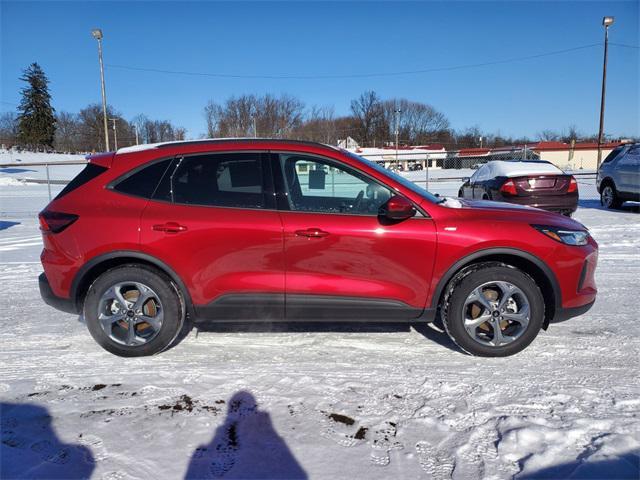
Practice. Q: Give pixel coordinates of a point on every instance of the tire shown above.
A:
(457, 307)
(609, 196)
(460, 194)
(164, 309)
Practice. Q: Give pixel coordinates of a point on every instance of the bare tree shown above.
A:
(369, 112)
(418, 123)
(8, 129)
(67, 136)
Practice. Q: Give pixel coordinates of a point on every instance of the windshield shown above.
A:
(398, 178)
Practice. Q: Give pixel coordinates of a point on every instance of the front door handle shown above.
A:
(169, 227)
(312, 233)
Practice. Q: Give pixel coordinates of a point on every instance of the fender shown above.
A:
(136, 255)
(448, 275)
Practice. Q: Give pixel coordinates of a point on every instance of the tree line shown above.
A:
(37, 126)
(372, 122)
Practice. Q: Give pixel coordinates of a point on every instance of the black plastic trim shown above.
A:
(498, 251)
(273, 307)
(563, 314)
(117, 254)
(64, 304)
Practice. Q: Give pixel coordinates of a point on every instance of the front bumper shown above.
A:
(62, 304)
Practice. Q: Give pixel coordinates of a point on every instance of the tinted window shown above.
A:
(226, 180)
(317, 185)
(143, 182)
(613, 154)
(89, 172)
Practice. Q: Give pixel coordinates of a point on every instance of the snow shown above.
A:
(499, 168)
(324, 401)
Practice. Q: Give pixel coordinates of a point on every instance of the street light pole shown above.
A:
(397, 112)
(135, 128)
(97, 34)
(115, 133)
(606, 22)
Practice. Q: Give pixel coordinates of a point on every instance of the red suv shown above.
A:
(148, 239)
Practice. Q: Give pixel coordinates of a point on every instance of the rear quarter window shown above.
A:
(143, 182)
(89, 172)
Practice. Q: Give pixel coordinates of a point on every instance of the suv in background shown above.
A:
(148, 239)
(619, 176)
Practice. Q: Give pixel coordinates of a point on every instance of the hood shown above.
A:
(503, 211)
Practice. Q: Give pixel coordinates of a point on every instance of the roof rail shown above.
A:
(136, 148)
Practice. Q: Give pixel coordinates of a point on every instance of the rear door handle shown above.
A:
(169, 227)
(312, 233)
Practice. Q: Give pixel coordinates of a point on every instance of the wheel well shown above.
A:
(539, 276)
(607, 181)
(101, 267)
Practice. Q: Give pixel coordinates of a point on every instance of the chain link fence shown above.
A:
(439, 172)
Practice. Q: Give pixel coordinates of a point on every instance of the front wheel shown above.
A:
(609, 197)
(134, 311)
(493, 311)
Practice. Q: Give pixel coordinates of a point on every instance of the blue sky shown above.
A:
(309, 38)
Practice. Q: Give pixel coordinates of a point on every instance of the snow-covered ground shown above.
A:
(319, 401)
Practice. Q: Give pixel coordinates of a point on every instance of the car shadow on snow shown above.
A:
(245, 446)
(625, 466)
(595, 204)
(427, 330)
(31, 448)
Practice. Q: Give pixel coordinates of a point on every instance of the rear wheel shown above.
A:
(493, 311)
(609, 197)
(134, 311)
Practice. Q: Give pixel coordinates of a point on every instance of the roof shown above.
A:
(473, 152)
(557, 146)
(150, 146)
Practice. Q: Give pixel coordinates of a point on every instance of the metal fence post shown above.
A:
(426, 175)
(48, 181)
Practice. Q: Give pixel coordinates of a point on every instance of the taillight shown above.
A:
(55, 222)
(508, 188)
(573, 185)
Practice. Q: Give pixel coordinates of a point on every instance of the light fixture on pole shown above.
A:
(115, 133)
(606, 23)
(97, 34)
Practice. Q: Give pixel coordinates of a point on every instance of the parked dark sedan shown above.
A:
(534, 183)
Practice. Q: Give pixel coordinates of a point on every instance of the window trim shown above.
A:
(281, 189)
(113, 183)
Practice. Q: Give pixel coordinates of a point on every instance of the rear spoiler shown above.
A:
(102, 159)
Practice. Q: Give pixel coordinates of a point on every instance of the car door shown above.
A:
(478, 181)
(628, 169)
(342, 260)
(213, 220)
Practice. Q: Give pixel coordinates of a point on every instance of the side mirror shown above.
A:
(466, 179)
(397, 208)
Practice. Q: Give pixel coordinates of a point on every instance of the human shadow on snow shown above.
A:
(30, 447)
(245, 446)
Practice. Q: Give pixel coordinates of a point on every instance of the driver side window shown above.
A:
(318, 185)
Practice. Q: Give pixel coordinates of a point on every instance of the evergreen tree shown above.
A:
(36, 118)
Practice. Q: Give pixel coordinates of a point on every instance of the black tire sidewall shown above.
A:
(453, 319)
(169, 298)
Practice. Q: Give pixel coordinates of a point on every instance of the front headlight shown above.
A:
(568, 237)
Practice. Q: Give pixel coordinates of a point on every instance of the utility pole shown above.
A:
(606, 22)
(135, 129)
(397, 112)
(115, 132)
(97, 34)
(255, 128)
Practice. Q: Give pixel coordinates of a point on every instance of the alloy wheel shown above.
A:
(496, 313)
(130, 313)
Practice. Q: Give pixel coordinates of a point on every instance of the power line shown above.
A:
(625, 45)
(355, 75)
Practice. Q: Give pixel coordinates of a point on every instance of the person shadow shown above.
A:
(30, 447)
(245, 446)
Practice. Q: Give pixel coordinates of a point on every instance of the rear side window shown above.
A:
(143, 182)
(613, 154)
(225, 180)
(89, 172)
